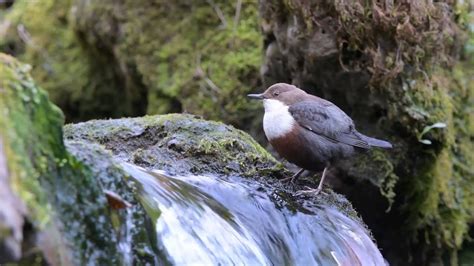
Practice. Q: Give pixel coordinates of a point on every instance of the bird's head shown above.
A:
(280, 94)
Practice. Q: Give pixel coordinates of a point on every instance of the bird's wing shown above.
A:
(327, 120)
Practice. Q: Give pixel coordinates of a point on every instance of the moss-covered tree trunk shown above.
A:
(397, 68)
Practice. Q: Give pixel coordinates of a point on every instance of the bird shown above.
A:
(309, 131)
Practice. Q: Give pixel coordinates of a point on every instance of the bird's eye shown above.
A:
(276, 93)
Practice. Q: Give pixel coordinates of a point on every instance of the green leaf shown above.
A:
(425, 141)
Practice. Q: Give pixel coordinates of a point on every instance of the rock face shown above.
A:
(397, 69)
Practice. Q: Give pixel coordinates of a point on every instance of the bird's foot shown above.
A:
(290, 180)
(309, 191)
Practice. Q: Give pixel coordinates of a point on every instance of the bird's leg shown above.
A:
(320, 186)
(321, 182)
(293, 177)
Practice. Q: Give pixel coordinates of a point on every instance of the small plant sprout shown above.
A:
(427, 129)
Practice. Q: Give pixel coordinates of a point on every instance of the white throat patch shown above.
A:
(277, 121)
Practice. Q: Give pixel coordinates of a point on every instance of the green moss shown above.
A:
(26, 109)
(180, 143)
(440, 192)
(63, 198)
(196, 61)
(76, 76)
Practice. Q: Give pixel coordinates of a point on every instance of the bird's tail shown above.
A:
(373, 142)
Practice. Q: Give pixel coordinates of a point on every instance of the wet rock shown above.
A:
(130, 224)
(184, 144)
(55, 209)
(199, 155)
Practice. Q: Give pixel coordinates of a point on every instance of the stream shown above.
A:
(208, 220)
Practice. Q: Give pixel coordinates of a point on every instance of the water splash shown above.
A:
(125, 238)
(214, 221)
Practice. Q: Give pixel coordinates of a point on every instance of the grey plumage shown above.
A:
(327, 120)
(373, 142)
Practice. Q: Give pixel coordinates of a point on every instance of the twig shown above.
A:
(200, 74)
(219, 13)
(236, 18)
(25, 36)
(212, 85)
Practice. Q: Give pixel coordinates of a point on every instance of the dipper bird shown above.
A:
(309, 131)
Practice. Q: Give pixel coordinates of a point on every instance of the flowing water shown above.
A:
(205, 220)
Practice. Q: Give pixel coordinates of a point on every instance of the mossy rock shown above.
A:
(65, 218)
(131, 226)
(180, 144)
(396, 69)
(113, 59)
(33, 150)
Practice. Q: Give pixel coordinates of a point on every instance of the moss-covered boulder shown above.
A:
(180, 144)
(53, 206)
(401, 71)
(174, 158)
(111, 59)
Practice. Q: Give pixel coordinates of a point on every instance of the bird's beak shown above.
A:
(256, 96)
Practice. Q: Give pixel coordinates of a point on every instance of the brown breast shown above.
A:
(294, 148)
